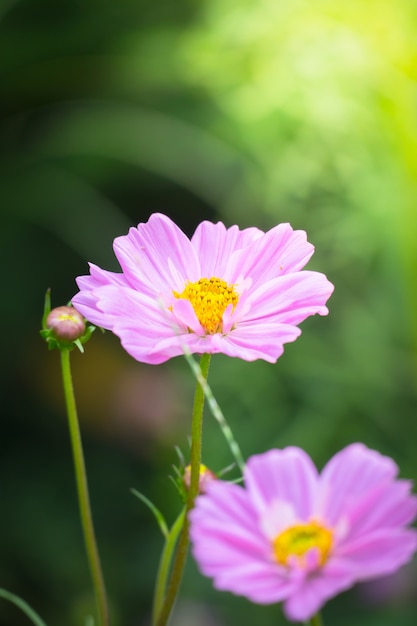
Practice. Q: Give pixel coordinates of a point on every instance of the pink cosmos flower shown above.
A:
(295, 536)
(239, 292)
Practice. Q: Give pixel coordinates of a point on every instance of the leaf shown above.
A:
(157, 513)
(23, 606)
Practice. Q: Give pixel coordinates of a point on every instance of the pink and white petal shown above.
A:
(290, 299)
(278, 516)
(288, 475)
(215, 246)
(184, 313)
(251, 341)
(99, 277)
(311, 596)
(148, 253)
(126, 305)
(136, 319)
(178, 344)
(143, 346)
(228, 319)
(217, 558)
(224, 532)
(260, 582)
(248, 341)
(378, 553)
(158, 344)
(226, 503)
(349, 476)
(86, 302)
(280, 251)
(221, 546)
(389, 505)
(229, 547)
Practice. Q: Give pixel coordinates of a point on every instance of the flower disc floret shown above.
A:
(238, 292)
(209, 298)
(296, 541)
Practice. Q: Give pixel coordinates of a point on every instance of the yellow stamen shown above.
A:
(299, 539)
(209, 297)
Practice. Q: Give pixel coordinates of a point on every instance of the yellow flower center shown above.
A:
(69, 317)
(299, 539)
(209, 297)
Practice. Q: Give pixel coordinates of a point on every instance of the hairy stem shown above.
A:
(182, 548)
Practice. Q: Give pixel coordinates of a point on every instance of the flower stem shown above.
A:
(83, 496)
(181, 553)
(316, 620)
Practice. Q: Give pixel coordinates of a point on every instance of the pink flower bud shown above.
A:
(65, 323)
(206, 476)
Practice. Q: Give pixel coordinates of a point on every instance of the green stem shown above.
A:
(216, 412)
(23, 606)
(316, 620)
(195, 461)
(164, 565)
(83, 496)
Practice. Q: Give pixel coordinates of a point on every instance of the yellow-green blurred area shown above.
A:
(252, 112)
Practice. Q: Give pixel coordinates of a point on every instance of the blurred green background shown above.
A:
(252, 112)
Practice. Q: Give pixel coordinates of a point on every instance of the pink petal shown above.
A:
(280, 251)
(224, 530)
(350, 475)
(287, 475)
(379, 553)
(138, 321)
(226, 502)
(229, 547)
(149, 254)
(261, 341)
(290, 299)
(386, 506)
(310, 597)
(86, 302)
(259, 582)
(215, 246)
(184, 313)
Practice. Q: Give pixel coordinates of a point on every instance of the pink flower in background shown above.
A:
(295, 536)
(239, 292)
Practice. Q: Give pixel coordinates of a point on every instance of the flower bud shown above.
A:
(65, 323)
(206, 476)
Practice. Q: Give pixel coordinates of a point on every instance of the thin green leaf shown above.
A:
(46, 307)
(216, 411)
(23, 606)
(165, 565)
(157, 513)
(180, 456)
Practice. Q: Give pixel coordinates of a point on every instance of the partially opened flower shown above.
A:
(238, 292)
(295, 536)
